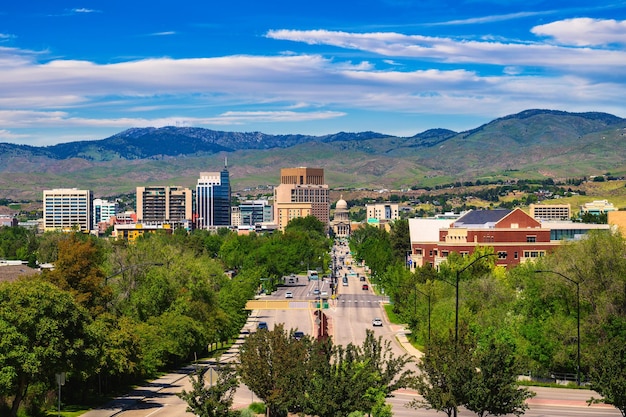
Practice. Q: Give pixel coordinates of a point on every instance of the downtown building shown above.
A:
(67, 209)
(250, 214)
(301, 193)
(171, 205)
(213, 200)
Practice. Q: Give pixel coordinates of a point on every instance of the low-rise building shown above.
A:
(550, 211)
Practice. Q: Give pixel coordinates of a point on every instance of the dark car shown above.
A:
(362, 278)
(262, 326)
(298, 335)
(365, 287)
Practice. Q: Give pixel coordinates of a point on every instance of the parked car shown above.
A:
(288, 294)
(262, 326)
(362, 278)
(316, 292)
(377, 322)
(365, 287)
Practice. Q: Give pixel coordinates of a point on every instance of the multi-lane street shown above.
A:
(349, 314)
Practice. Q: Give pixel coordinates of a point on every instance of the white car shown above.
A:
(288, 294)
(377, 322)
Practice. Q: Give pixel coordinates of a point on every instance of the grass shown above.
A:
(69, 411)
(393, 317)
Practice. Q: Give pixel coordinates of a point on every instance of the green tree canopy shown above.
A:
(43, 331)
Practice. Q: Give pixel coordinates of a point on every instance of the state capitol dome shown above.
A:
(341, 204)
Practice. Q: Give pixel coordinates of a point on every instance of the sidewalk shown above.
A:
(151, 389)
(404, 342)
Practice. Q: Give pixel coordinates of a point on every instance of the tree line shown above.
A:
(111, 313)
(534, 306)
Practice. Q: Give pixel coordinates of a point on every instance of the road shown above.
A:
(349, 317)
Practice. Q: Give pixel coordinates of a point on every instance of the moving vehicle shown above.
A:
(377, 322)
(298, 335)
(288, 294)
(262, 326)
(365, 287)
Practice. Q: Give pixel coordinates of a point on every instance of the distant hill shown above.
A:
(530, 144)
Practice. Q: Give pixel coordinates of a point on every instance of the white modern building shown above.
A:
(67, 209)
(103, 210)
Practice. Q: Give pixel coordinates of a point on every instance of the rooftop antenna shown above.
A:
(225, 162)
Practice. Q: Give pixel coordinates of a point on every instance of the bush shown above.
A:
(257, 408)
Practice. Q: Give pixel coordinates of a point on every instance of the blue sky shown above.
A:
(89, 69)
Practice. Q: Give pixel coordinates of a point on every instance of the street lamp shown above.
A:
(577, 319)
(415, 302)
(458, 276)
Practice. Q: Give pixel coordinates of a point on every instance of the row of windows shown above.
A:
(501, 254)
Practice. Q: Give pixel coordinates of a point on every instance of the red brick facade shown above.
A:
(514, 235)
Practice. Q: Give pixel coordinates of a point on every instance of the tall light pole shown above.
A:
(456, 315)
(458, 276)
(577, 283)
(428, 297)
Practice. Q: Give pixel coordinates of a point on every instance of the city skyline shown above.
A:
(77, 72)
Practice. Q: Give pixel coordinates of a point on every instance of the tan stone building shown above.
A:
(302, 192)
(550, 211)
(341, 220)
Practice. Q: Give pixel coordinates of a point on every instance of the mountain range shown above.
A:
(531, 144)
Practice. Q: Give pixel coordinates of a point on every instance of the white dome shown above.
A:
(341, 205)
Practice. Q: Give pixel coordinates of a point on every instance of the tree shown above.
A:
(343, 380)
(43, 331)
(309, 224)
(273, 365)
(400, 239)
(608, 363)
(493, 389)
(77, 270)
(216, 399)
(446, 369)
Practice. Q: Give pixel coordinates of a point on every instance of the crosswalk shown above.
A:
(347, 301)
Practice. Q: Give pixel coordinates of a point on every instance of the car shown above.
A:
(298, 335)
(288, 294)
(362, 278)
(377, 322)
(365, 287)
(324, 294)
(316, 291)
(262, 326)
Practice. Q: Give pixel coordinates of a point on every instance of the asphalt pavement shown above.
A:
(165, 382)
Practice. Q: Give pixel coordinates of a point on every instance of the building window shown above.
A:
(515, 255)
(502, 255)
(430, 253)
(531, 239)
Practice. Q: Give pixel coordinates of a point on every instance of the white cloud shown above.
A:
(492, 18)
(84, 10)
(584, 31)
(20, 119)
(447, 50)
(167, 33)
(8, 135)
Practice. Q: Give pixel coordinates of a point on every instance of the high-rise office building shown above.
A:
(103, 210)
(301, 193)
(66, 209)
(164, 204)
(250, 213)
(213, 199)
